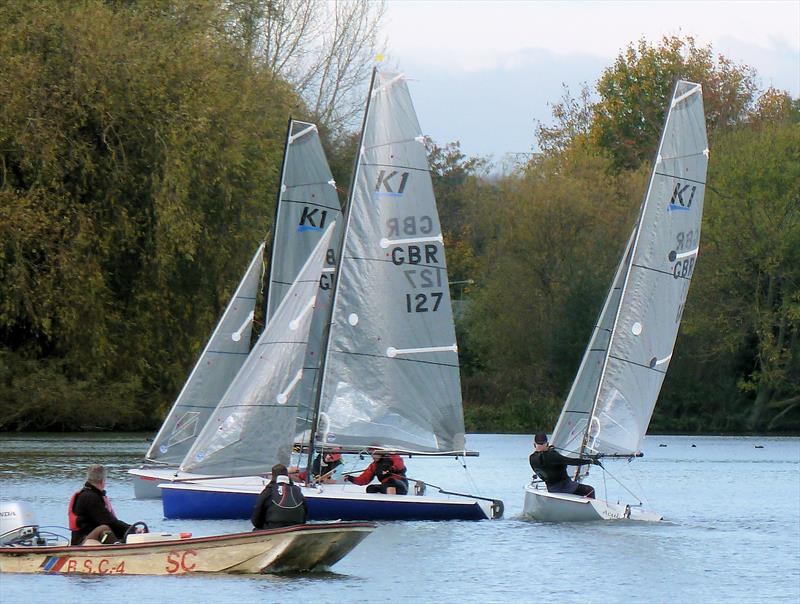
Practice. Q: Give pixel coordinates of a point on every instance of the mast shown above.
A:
(629, 263)
(278, 197)
(337, 274)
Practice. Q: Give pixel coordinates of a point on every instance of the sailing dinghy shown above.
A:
(614, 393)
(307, 202)
(390, 374)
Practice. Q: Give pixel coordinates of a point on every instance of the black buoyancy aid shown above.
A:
(286, 504)
(545, 473)
(72, 516)
(396, 470)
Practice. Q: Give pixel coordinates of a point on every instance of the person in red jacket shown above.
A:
(390, 471)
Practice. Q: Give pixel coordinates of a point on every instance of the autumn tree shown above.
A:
(634, 91)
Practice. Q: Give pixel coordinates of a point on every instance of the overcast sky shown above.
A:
(482, 72)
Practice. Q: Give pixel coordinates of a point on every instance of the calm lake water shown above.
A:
(733, 531)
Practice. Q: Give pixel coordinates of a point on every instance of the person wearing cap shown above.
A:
(551, 467)
(322, 468)
(390, 471)
(280, 504)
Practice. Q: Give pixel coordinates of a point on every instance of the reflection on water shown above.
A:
(733, 532)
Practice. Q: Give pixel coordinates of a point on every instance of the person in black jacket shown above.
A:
(91, 516)
(551, 467)
(280, 504)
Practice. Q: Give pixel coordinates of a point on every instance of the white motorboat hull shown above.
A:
(561, 507)
(296, 548)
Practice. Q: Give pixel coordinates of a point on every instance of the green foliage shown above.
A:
(750, 275)
(140, 149)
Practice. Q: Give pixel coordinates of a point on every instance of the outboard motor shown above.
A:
(18, 523)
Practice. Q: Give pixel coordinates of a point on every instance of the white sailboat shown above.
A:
(307, 202)
(390, 375)
(614, 393)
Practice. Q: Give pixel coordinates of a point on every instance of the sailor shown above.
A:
(551, 467)
(390, 471)
(323, 467)
(91, 517)
(280, 504)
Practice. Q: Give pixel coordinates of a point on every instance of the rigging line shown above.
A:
(396, 166)
(399, 142)
(679, 177)
(383, 356)
(615, 479)
(444, 492)
(621, 360)
(311, 203)
(226, 352)
(658, 270)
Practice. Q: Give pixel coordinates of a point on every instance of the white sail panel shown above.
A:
(391, 371)
(307, 204)
(220, 361)
(253, 426)
(654, 294)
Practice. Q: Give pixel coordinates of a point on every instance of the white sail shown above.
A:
(391, 375)
(253, 426)
(307, 204)
(221, 359)
(655, 283)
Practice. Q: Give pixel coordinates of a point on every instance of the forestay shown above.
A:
(391, 375)
(220, 361)
(253, 425)
(646, 311)
(307, 204)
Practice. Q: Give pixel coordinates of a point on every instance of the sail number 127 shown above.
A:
(424, 302)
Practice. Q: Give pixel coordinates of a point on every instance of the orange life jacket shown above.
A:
(72, 517)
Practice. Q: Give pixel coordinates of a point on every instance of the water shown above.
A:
(733, 533)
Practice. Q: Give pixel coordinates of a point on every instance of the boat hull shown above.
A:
(297, 548)
(146, 481)
(560, 507)
(331, 502)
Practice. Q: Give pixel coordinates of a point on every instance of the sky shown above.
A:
(484, 73)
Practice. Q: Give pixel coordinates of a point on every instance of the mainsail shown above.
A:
(307, 204)
(391, 375)
(253, 426)
(612, 399)
(221, 359)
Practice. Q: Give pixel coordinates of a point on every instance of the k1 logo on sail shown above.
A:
(310, 221)
(390, 184)
(678, 202)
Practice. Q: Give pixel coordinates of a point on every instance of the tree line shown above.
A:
(141, 143)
